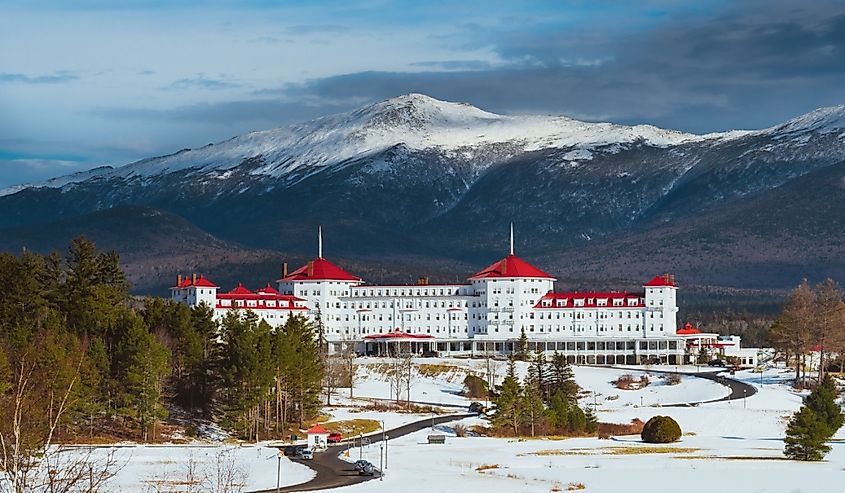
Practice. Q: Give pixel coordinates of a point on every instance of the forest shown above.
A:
(83, 360)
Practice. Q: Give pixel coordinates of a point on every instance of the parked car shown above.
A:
(430, 354)
(367, 470)
(360, 464)
(716, 362)
(335, 437)
(477, 407)
(305, 454)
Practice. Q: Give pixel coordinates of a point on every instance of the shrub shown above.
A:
(476, 388)
(460, 430)
(661, 429)
(671, 378)
(635, 427)
(627, 382)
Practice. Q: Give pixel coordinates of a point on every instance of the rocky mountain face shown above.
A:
(424, 183)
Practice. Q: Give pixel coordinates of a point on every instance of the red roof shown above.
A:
(591, 299)
(201, 282)
(509, 267)
(240, 289)
(687, 329)
(398, 334)
(661, 281)
(319, 269)
(317, 430)
(268, 289)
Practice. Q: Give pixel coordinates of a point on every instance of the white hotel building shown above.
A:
(485, 315)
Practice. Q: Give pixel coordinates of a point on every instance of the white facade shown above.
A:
(487, 314)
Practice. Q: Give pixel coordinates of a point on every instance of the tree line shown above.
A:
(80, 357)
(544, 402)
(812, 321)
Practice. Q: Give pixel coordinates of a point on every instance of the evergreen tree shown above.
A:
(806, 435)
(521, 352)
(532, 407)
(822, 401)
(539, 374)
(591, 424)
(507, 401)
(562, 378)
(141, 363)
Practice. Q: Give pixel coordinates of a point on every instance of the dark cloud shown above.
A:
(749, 65)
(54, 78)
(744, 67)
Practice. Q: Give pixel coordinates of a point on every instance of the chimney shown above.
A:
(672, 279)
(666, 277)
(178, 279)
(422, 281)
(284, 270)
(194, 278)
(311, 268)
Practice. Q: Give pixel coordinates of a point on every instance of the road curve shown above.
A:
(334, 472)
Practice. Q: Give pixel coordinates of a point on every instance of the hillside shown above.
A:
(413, 186)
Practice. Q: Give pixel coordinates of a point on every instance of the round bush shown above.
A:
(661, 429)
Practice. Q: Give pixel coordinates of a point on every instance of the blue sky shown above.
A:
(87, 83)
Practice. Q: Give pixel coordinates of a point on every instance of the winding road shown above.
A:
(333, 472)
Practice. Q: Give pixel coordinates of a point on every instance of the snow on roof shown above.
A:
(510, 267)
(320, 269)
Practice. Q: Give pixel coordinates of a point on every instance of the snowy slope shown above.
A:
(414, 120)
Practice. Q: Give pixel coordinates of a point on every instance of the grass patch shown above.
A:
(615, 451)
(353, 427)
(487, 467)
(649, 450)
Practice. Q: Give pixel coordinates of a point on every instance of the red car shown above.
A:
(335, 437)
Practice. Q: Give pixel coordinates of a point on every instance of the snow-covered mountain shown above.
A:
(415, 121)
(414, 175)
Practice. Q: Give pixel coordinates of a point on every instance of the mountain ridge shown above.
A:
(420, 178)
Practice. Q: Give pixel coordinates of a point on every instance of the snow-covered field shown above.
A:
(148, 469)
(727, 446)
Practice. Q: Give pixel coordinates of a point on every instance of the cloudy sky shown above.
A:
(91, 82)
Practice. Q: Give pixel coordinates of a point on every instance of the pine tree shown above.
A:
(521, 352)
(539, 372)
(591, 421)
(532, 407)
(507, 401)
(822, 401)
(562, 378)
(806, 435)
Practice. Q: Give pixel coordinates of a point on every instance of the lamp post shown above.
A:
(361, 446)
(279, 471)
(384, 441)
(744, 392)
(381, 462)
